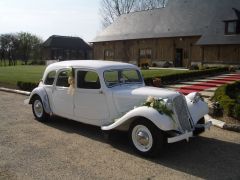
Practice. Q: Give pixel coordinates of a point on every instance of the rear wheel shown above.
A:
(146, 138)
(38, 110)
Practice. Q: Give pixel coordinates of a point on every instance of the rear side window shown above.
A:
(62, 79)
(50, 78)
(88, 80)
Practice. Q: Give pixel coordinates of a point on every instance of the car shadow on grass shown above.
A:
(203, 157)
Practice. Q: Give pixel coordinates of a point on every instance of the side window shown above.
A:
(88, 80)
(62, 79)
(50, 78)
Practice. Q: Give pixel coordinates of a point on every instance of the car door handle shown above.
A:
(101, 92)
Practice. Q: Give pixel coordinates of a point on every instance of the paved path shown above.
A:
(205, 86)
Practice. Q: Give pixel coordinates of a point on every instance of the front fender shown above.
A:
(162, 121)
(197, 109)
(42, 93)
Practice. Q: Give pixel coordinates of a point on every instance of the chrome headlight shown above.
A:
(169, 104)
(195, 97)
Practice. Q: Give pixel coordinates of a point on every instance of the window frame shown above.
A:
(237, 28)
(146, 53)
(59, 71)
(44, 82)
(107, 52)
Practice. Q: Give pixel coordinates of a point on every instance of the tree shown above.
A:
(112, 9)
(8, 46)
(29, 46)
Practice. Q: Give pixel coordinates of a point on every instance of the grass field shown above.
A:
(11, 74)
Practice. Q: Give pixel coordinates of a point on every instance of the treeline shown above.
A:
(22, 46)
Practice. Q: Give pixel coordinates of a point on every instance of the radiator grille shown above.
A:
(182, 113)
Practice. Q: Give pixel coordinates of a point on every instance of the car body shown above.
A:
(113, 95)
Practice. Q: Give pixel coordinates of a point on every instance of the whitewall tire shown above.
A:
(146, 138)
(38, 109)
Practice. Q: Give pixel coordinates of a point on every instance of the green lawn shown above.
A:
(11, 74)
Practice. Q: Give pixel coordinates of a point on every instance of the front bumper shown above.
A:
(187, 135)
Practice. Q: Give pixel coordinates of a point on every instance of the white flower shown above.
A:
(150, 99)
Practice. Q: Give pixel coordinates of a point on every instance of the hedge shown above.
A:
(26, 86)
(228, 98)
(166, 79)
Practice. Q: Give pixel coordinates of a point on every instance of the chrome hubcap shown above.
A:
(38, 108)
(142, 138)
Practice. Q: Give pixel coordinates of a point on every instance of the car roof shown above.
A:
(92, 64)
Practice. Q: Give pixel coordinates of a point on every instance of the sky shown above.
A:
(51, 17)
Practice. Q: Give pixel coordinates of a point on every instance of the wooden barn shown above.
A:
(184, 33)
(65, 48)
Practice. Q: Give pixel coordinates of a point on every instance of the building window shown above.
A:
(146, 53)
(108, 54)
(232, 27)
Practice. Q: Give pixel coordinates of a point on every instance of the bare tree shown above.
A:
(112, 9)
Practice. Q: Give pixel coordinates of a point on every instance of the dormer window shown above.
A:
(232, 27)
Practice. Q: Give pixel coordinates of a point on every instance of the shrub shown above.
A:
(194, 67)
(26, 86)
(190, 74)
(154, 65)
(167, 64)
(227, 96)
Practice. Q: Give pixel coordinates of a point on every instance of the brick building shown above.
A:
(185, 32)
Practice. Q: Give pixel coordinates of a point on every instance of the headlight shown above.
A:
(169, 103)
(195, 97)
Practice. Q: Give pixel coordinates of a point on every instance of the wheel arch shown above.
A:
(42, 94)
(162, 121)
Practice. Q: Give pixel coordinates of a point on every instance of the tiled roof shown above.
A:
(56, 41)
(179, 18)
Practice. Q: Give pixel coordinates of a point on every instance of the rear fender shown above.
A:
(42, 93)
(162, 121)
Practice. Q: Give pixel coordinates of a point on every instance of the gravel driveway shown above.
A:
(64, 149)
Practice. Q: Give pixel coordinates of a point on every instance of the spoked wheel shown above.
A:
(146, 138)
(38, 110)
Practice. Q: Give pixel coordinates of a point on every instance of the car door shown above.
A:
(62, 100)
(90, 105)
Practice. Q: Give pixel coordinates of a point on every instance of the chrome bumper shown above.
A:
(187, 135)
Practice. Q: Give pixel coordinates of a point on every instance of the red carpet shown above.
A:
(201, 86)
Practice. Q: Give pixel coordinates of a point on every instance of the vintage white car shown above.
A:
(112, 95)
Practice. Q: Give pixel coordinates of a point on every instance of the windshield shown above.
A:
(123, 76)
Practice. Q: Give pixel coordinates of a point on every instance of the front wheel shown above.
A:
(38, 110)
(146, 138)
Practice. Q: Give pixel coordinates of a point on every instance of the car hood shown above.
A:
(126, 98)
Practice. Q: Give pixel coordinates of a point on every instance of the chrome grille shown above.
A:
(182, 113)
